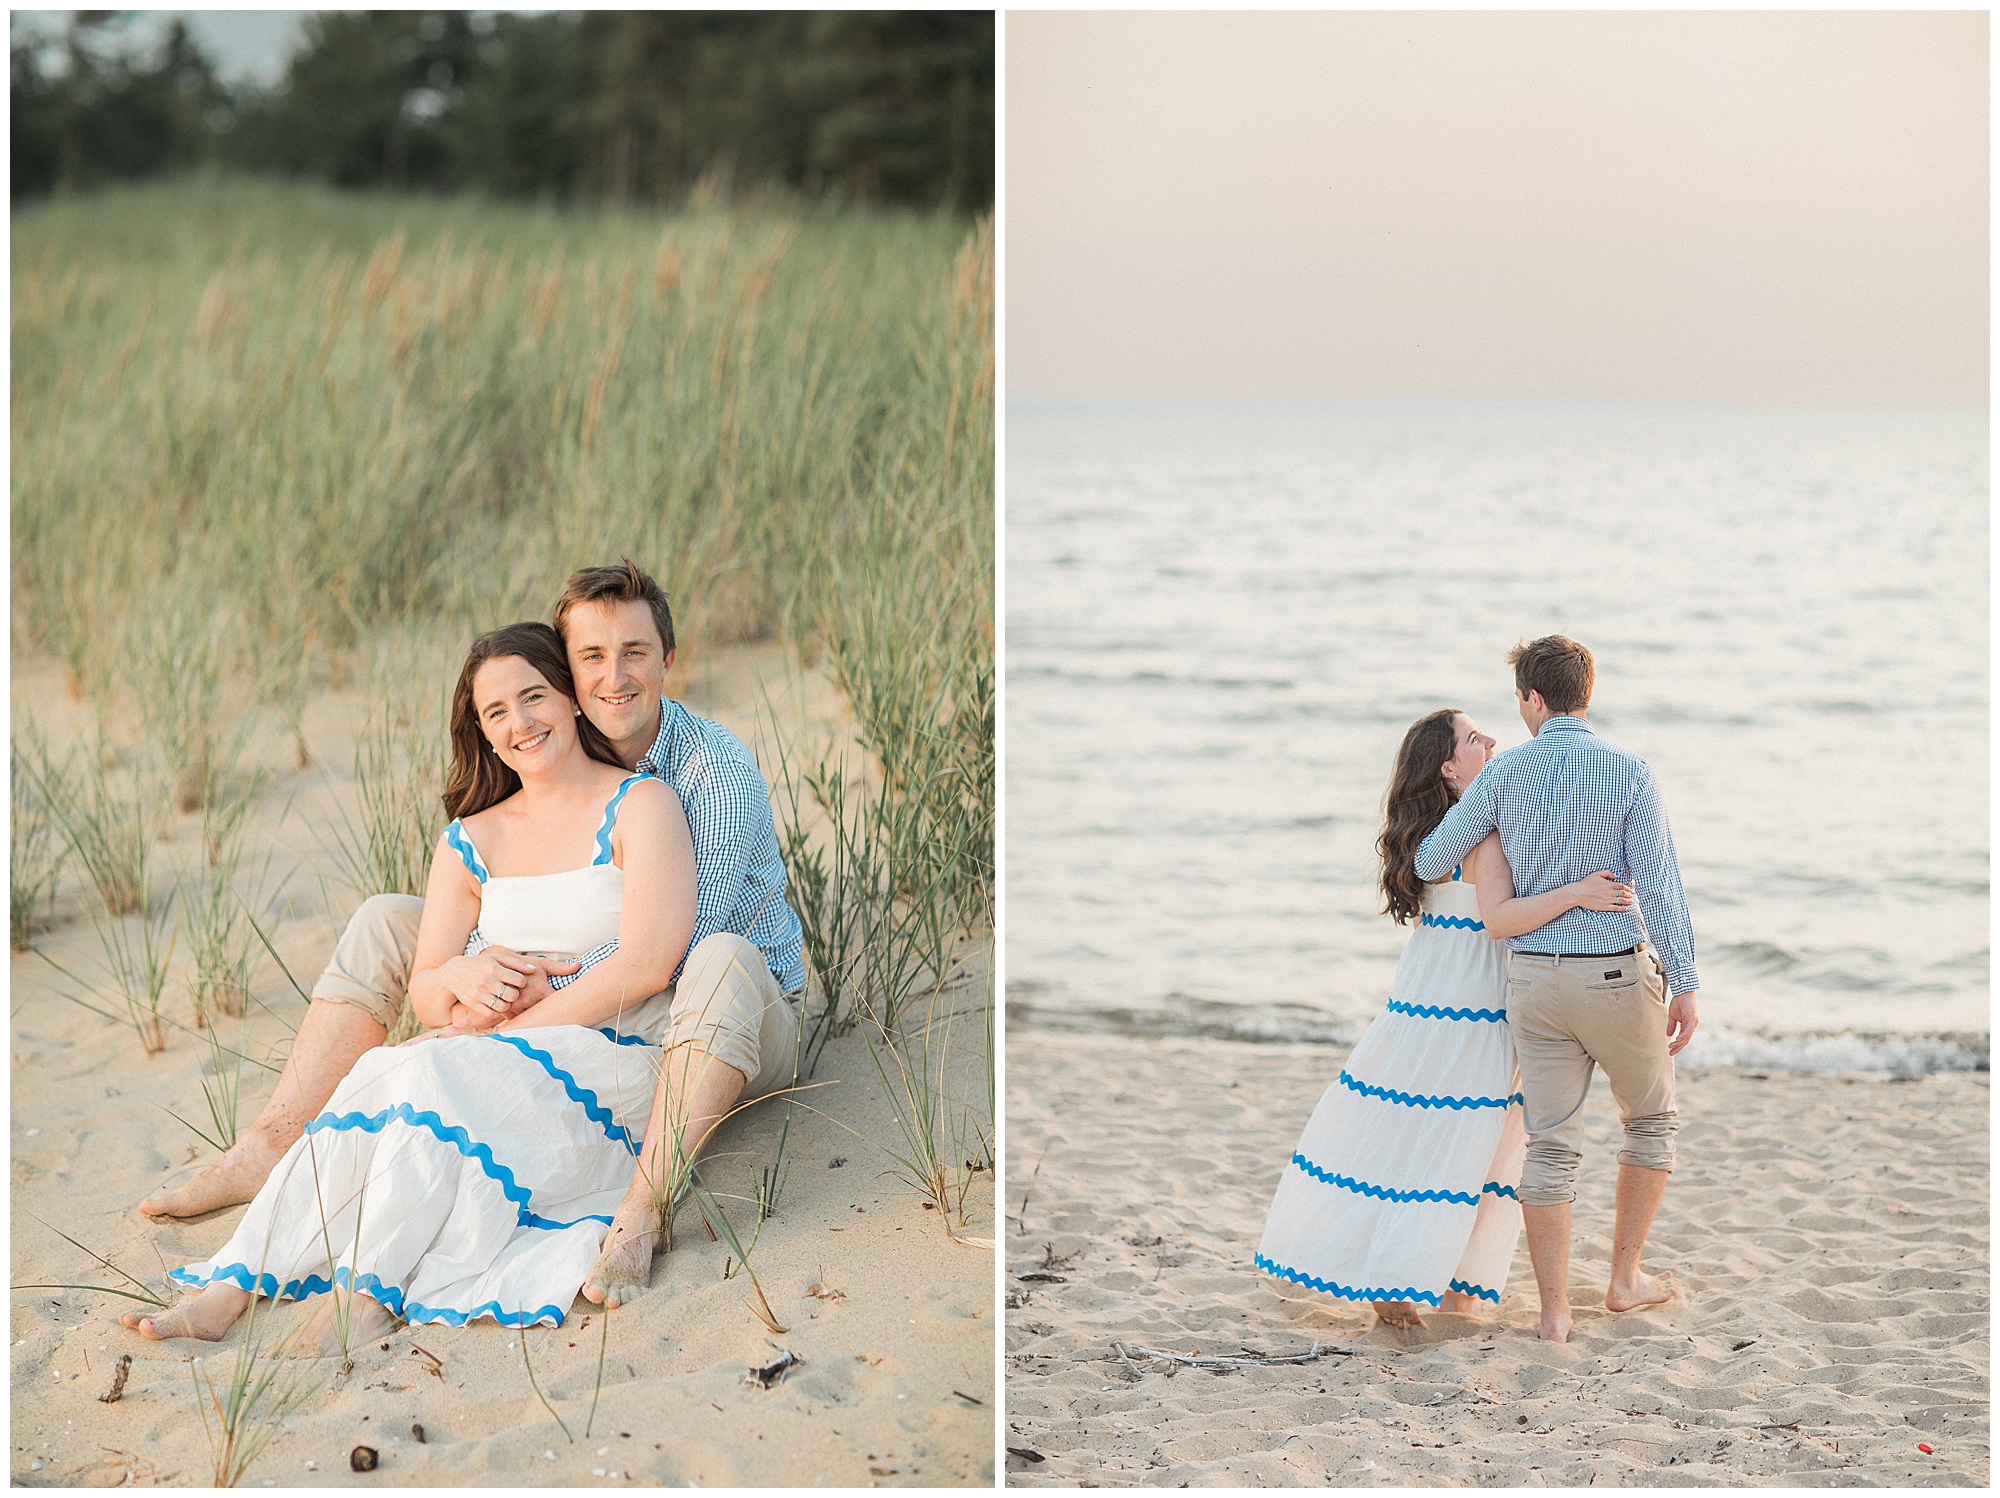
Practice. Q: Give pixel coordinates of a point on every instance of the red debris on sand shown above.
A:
(1923, 1448)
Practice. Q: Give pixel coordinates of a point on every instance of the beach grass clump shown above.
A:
(400, 760)
(101, 808)
(945, 1142)
(36, 846)
(219, 937)
(241, 1414)
(186, 714)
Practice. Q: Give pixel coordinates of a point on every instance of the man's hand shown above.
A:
(1680, 1021)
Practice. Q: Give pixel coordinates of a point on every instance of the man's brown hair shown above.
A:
(1557, 667)
(621, 584)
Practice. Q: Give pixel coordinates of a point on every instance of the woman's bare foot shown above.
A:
(365, 1317)
(624, 1271)
(205, 1316)
(1459, 1302)
(1396, 1312)
(232, 1179)
(1556, 1325)
(1645, 1290)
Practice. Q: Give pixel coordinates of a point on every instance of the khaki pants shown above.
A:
(1569, 1016)
(726, 1001)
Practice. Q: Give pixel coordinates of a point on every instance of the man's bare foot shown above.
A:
(1645, 1290)
(1396, 1312)
(365, 1318)
(205, 1316)
(1458, 1302)
(1556, 1325)
(232, 1179)
(624, 1271)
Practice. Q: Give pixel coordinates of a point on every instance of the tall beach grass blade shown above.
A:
(145, 1292)
(538, 1390)
(36, 847)
(597, 1388)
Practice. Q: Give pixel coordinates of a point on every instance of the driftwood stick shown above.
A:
(1119, 1348)
(1200, 1362)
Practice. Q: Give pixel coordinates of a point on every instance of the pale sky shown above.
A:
(1776, 208)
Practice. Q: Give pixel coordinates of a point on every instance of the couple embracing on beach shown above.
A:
(605, 966)
(1458, 1115)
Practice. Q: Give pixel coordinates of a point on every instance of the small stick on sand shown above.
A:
(1199, 1362)
(1029, 1193)
(118, 1378)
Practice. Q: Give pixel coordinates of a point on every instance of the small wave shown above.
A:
(1188, 1018)
(1839, 1050)
(1763, 955)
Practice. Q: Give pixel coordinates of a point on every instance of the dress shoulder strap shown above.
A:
(461, 844)
(611, 817)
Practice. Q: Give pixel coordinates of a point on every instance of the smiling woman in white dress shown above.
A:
(1402, 1191)
(476, 1173)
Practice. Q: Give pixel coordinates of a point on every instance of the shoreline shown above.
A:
(1815, 1051)
(1830, 1234)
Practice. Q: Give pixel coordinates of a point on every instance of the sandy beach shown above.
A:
(890, 1317)
(1830, 1233)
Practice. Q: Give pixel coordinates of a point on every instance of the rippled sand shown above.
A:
(1830, 1233)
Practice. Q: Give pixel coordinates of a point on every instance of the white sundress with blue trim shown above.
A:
(470, 1176)
(1404, 1184)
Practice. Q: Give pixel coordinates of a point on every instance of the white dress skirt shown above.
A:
(470, 1176)
(1405, 1182)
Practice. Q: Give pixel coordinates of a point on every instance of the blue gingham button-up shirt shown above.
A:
(1567, 804)
(739, 877)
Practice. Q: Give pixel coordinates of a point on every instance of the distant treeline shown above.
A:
(598, 106)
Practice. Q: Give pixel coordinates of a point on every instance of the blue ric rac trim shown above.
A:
(1346, 1292)
(617, 1039)
(1453, 922)
(1390, 1194)
(611, 817)
(598, 1114)
(1466, 1287)
(468, 855)
(390, 1295)
(1418, 1100)
(461, 1141)
(1458, 873)
(1432, 1011)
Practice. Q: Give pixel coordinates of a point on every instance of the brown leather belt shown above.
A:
(1583, 956)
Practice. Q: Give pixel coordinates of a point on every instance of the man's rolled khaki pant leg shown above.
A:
(727, 1003)
(1625, 1028)
(370, 968)
(1555, 1080)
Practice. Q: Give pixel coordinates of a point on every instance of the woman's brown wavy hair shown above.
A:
(478, 777)
(1417, 800)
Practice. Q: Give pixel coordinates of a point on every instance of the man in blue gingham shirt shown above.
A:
(1567, 804)
(1583, 991)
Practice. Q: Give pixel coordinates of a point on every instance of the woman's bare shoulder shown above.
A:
(1486, 862)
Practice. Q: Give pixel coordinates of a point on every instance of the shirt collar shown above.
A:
(1566, 724)
(657, 758)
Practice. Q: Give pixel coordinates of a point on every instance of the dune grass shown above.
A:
(37, 848)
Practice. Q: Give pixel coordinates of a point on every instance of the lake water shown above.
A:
(1221, 620)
